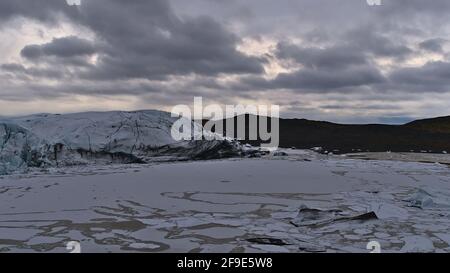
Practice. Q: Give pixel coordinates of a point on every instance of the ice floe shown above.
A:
(417, 244)
(285, 204)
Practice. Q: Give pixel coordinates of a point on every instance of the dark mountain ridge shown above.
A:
(427, 135)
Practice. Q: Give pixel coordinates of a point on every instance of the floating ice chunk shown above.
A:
(440, 196)
(444, 237)
(39, 240)
(388, 211)
(284, 214)
(310, 247)
(219, 248)
(18, 234)
(417, 244)
(382, 235)
(420, 199)
(352, 237)
(216, 232)
(280, 153)
(271, 248)
(268, 241)
(274, 244)
(279, 234)
(230, 222)
(309, 216)
(185, 222)
(144, 246)
(362, 231)
(157, 223)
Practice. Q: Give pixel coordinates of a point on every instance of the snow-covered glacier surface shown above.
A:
(47, 140)
(298, 202)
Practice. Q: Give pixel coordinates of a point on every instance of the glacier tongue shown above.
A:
(15, 147)
(99, 137)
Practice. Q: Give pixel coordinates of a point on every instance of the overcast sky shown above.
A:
(336, 60)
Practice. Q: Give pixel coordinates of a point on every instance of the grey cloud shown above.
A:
(146, 39)
(316, 80)
(21, 72)
(433, 45)
(431, 77)
(337, 68)
(322, 80)
(334, 57)
(169, 51)
(409, 8)
(62, 47)
(366, 38)
(43, 10)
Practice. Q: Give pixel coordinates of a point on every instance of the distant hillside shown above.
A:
(437, 125)
(431, 135)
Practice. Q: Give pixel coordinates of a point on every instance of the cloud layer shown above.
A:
(320, 59)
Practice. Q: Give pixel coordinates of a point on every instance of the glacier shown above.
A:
(53, 140)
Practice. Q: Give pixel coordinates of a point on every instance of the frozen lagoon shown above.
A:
(227, 205)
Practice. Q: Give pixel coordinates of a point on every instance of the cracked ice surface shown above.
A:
(100, 138)
(181, 207)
